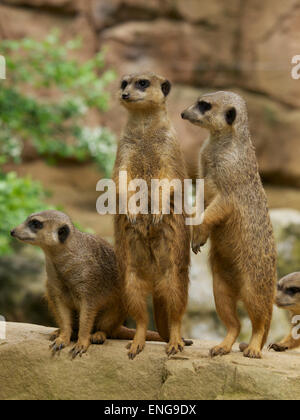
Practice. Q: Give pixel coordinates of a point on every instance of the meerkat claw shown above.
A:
(78, 351)
(56, 348)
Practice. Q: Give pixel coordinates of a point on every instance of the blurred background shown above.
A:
(60, 119)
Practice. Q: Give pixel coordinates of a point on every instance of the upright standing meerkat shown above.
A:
(153, 250)
(84, 290)
(288, 297)
(236, 218)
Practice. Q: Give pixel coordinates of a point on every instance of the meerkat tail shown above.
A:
(243, 347)
(124, 333)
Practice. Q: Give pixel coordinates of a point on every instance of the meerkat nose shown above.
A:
(13, 233)
(183, 115)
(125, 96)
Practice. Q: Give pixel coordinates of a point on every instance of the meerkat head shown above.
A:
(46, 229)
(143, 91)
(220, 111)
(288, 293)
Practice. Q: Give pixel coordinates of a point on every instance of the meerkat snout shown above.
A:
(184, 116)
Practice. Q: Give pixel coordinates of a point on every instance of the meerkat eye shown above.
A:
(124, 84)
(142, 84)
(204, 106)
(35, 225)
(292, 291)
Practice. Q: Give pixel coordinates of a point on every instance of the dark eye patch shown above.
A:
(142, 84)
(63, 233)
(204, 106)
(230, 116)
(291, 291)
(166, 87)
(124, 84)
(35, 225)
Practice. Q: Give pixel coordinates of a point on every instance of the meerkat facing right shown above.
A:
(288, 297)
(243, 252)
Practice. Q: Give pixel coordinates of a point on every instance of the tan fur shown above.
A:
(84, 291)
(243, 255)
(291, 302)
(152, 250)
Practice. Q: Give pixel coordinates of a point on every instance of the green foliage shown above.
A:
(19, 197)
(56, 126)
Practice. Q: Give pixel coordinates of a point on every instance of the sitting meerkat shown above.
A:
(236, 218)
(153, 250)
(84, 291)
(288, 297)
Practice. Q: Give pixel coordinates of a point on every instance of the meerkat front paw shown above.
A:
(200, 237)
(59, 344)
(80, 348)
(277, 347)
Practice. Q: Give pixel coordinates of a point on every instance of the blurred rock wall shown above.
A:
(244, 45)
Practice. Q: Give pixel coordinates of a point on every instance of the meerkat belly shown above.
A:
(150, 251)
(68, 287)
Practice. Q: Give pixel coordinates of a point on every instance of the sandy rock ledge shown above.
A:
(28, 372)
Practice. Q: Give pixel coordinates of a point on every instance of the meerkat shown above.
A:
(84, 290)
(153, 250)
(288, 297)
(236, 218)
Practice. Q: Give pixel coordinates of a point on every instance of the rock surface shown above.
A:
(28, 372)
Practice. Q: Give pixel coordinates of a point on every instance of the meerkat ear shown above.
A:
(63, 233)
(230, 116)
(166, 87)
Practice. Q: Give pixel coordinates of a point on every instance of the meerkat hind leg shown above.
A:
(136, 292)
(173, 301)
(260, 324)
(226, 305)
